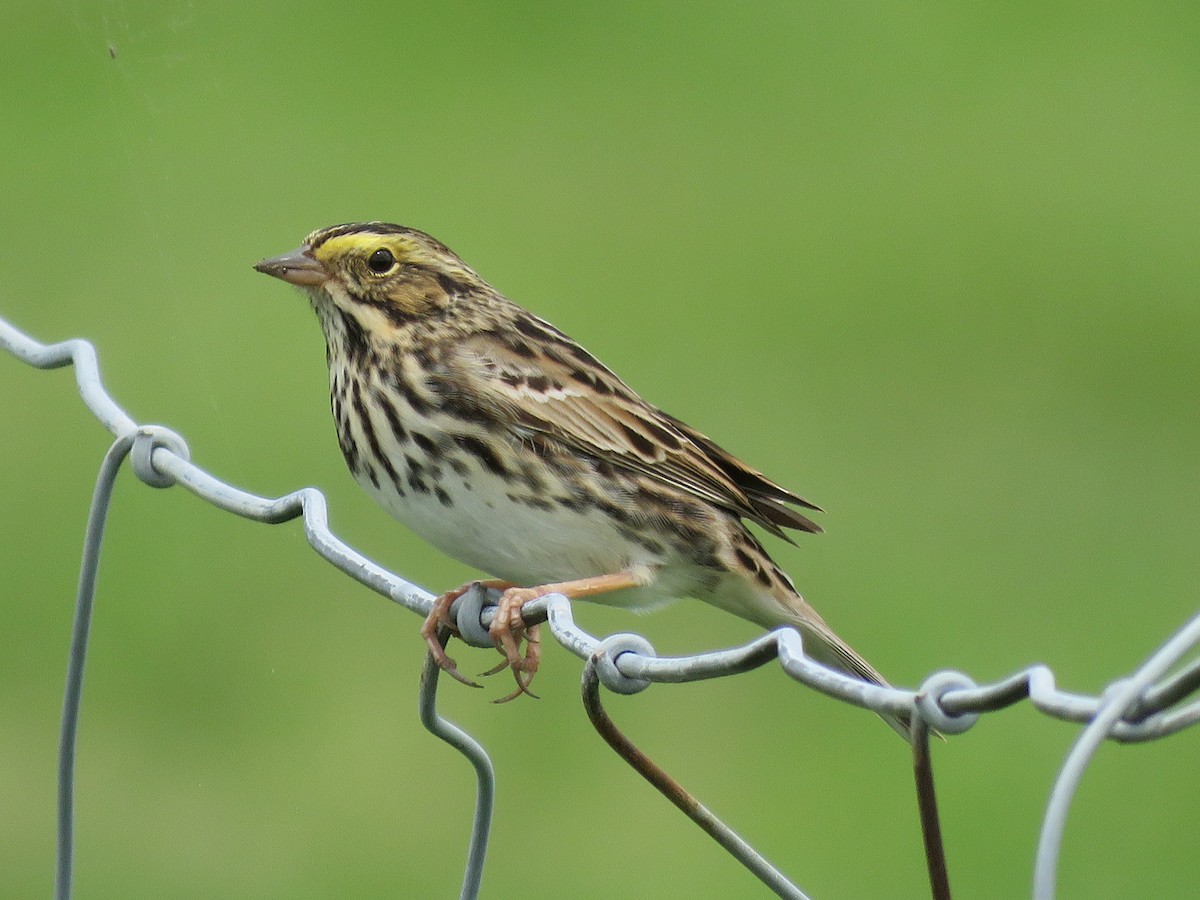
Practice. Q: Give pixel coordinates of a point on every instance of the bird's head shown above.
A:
(375, 272)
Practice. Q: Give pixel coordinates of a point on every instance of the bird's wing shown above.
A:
(551, 385)
(768, 498)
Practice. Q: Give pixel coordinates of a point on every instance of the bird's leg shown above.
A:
(440, 615)
(508, 628)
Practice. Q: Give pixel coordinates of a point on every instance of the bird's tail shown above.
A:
(824, 646)
(770, 599)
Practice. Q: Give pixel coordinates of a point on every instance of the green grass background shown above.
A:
(933, 265)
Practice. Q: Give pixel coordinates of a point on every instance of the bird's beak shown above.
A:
(297, 267)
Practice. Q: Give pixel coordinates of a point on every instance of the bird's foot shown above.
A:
(439, 617)
(509, 631)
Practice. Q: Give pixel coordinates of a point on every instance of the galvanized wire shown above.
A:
(1146, 705)
(485, 774)
(80, 629)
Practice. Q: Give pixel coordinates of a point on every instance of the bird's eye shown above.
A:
(381, 261)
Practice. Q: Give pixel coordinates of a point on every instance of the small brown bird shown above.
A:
(510, 447)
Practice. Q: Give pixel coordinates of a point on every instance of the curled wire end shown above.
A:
(148, 439)
(467, 613)
(605, 657)
(929, 702)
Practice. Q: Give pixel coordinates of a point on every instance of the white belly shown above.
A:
(515, 527)
(514, 541)
(528, 544)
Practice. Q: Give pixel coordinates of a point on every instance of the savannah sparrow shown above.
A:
(510, 447)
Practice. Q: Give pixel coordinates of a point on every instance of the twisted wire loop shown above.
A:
(1149, 704)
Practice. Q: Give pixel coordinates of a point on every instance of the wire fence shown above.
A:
(1147, 704)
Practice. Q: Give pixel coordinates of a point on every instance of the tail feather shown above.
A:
(781, 604)
(822, 644)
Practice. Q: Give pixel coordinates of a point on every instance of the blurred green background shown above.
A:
(933, 265)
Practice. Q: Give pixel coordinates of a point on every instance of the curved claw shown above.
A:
(450, 667)
(523, 667)
(444, 662)
(496, 669)
(523, 684)
(522, 688)
(436, 629)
